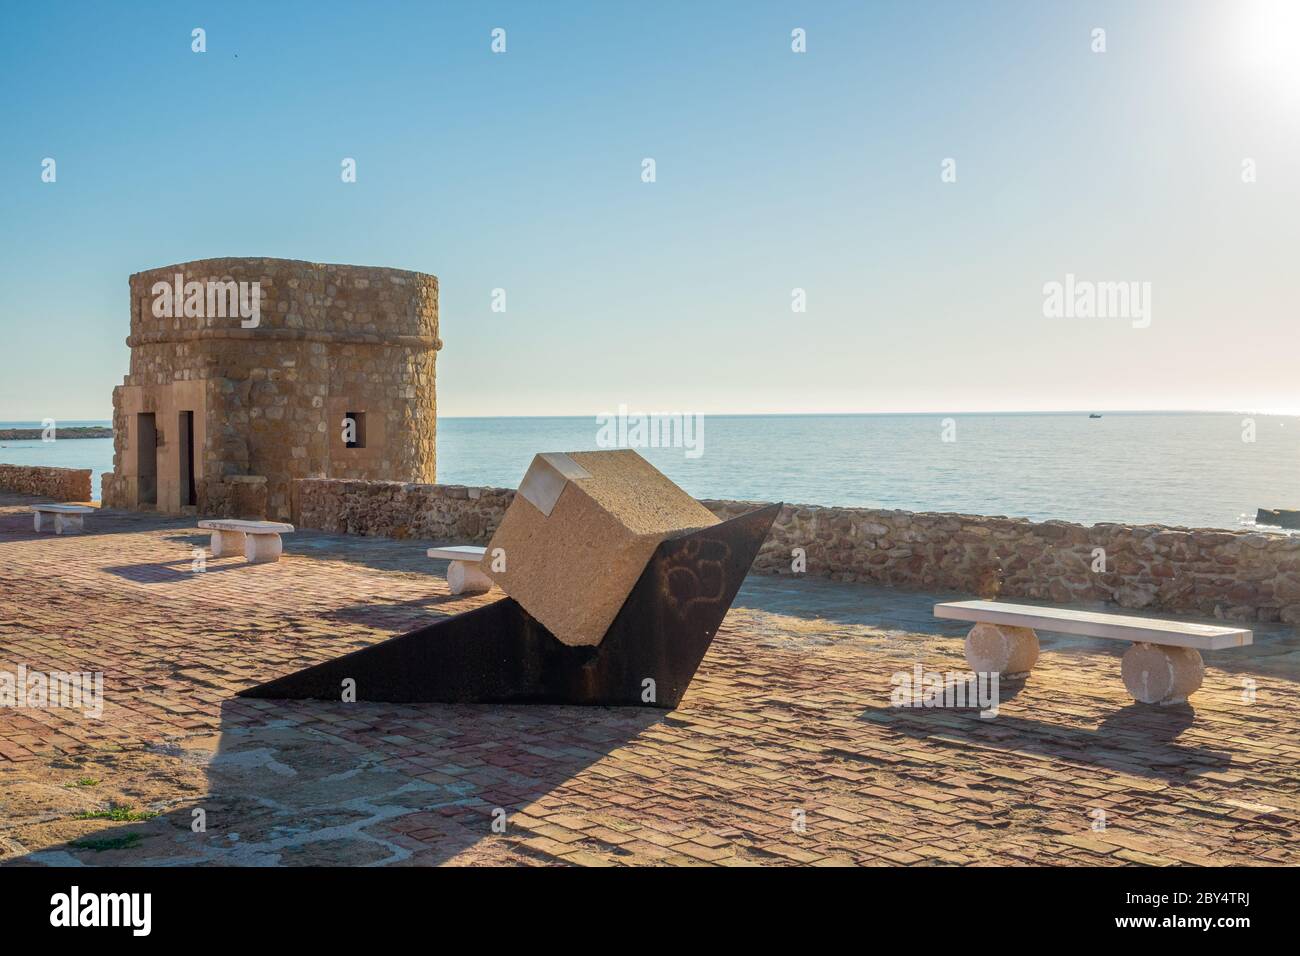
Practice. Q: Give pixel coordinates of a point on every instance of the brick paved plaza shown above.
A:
(785, 749)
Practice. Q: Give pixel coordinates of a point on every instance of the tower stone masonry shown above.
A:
(331, 376)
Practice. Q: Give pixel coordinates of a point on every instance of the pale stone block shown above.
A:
(68, 524)
(580, 532)
(1001, 648)
(226, 543)
(262, 548)
(466, 578)
(1162, 674)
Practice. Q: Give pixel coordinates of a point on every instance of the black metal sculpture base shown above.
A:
(499, 654)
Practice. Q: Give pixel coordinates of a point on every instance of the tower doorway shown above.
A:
(146, 458)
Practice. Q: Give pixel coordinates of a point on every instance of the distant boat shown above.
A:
(1094, 415)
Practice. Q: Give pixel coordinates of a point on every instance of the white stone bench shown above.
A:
(258, 540)
(65, 519)
(1163, 666)
(464, 576)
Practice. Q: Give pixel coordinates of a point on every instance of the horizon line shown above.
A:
(1290, 413)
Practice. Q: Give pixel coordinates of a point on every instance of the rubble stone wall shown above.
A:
(61, 484)
(1237, 575)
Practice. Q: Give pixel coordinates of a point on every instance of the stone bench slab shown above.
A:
(245, 527)
(1116, 627)
(460, 552)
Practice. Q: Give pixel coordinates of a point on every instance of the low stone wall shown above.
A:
(62, 484)
(395, 509)
(1233, 574)
(1230, 574)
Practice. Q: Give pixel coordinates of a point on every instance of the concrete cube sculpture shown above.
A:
(589, 519)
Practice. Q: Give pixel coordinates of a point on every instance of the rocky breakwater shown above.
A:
(37, 434)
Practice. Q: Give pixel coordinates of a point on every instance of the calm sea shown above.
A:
(1182, 469)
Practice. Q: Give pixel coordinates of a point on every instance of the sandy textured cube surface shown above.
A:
(579, 533)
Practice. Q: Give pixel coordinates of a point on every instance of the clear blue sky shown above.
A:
(775, 171)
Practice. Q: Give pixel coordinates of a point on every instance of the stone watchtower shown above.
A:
(249, 373)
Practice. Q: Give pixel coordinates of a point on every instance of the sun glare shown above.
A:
(1269, 39)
